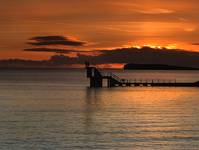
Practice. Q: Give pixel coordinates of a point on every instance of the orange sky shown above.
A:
(101, 23)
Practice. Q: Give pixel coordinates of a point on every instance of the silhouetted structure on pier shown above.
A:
(96, 80)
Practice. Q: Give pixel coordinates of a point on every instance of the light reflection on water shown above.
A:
(40, 112)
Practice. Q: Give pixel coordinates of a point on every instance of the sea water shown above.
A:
(55, 110)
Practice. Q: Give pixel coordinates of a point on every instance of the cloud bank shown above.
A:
(54, 40)
(54, 50)
(145, 55)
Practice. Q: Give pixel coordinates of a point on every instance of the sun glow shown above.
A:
(168, 46)
(172, 46)
(153, 46)
(138, 47)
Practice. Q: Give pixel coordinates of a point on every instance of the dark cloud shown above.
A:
(54, 40)
(145, 55)
(48, 50)
(53, 50)
(195, 44)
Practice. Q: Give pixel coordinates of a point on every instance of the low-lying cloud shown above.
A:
(54, 40)
(196, 44)
(54, 50)
(145, 55)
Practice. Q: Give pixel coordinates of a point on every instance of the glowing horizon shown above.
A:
(100, 24)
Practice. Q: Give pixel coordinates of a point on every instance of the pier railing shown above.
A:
(150, 81)
(112, 75)
(115, 77)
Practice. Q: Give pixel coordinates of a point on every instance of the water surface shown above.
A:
(48, 110)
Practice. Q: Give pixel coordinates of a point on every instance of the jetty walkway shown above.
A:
(97, 77)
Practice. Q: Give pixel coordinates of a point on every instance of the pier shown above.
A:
(97, 78)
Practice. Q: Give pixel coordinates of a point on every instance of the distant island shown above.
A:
(132, 66)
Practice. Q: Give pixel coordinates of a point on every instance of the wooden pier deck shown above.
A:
(96, 80)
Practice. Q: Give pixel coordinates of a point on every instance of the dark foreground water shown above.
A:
(54, 110)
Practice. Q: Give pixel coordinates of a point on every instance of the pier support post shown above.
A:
(96, 82)
(96, 79)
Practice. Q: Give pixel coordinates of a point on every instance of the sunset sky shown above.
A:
(98, 24)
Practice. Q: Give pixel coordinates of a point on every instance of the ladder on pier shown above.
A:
(96, 78)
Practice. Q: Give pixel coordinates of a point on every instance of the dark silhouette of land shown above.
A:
(132, 66)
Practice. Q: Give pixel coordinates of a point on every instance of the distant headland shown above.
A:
(132, 66)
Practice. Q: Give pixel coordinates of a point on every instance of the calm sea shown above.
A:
(54, 110)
